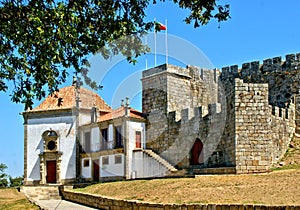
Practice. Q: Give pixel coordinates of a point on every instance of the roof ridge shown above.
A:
(65, 98)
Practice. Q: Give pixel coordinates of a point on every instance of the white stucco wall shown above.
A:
(112, 169)
(84, 118)
(95, 139)
(86, 172)
(65, 128)
(110, 136)
(144, 166)
(132, 128)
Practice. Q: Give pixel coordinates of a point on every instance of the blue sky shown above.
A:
(257, 30)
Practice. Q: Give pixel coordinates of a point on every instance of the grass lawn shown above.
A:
(13, 200)
(277, 188)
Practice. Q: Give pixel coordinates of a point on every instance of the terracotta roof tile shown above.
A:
(65, 98)
(120, 112)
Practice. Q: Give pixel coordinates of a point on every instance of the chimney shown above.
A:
(94, 115)
(127, 107)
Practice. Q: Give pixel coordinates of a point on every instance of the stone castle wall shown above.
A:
(169, 88)
(244, 117)
(283, 77)
(253, 127)
(264, 143)
(283, 127)
(202, 122)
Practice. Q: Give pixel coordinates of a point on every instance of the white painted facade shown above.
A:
(112, 169)
(117, 156)
(86, 171)
(111, 165)
(134, 127)
(133, 162)
(144, 166)
(64, 127)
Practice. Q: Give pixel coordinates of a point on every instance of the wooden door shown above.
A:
(51, 171)
(197, 157)
(138, 137)
(96, 170)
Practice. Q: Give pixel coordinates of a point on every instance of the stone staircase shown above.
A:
(41, 192)
(159, 159)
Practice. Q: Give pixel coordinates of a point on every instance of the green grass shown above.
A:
(273, 188)
(11, 199)
(287, 167)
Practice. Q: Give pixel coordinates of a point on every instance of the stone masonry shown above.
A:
(244, 117)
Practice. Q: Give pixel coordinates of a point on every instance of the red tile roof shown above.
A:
(120, 112)
(65, 98)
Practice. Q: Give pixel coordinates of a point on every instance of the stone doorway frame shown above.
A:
(50, 154)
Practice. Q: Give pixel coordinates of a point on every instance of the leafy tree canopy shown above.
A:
(16, 181)
(3, 176)
(41, 40)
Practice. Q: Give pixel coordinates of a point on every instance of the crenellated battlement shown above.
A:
(281, 76)
(196, 113)
(287, 113)
(255, 68)
(244, 116)
(190, 72)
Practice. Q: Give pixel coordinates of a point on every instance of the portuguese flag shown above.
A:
(160, 27)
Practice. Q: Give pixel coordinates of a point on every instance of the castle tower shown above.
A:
(167, 91)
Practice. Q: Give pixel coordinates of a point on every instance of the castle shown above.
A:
(237, 120)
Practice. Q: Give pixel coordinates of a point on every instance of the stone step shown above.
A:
(41, 192)
(160, 160)
(219, 170)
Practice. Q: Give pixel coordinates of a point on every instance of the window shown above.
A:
(86, 163)
(138, 137)
(87, 140)
(118, 159)
(104, 138)
(51, 145)
(50, 140)
(118, 136)
(105, 160)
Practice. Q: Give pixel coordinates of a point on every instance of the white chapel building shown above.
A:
(74, 136)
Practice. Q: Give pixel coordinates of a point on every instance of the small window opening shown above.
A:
(86, 163)
(105, 161)
(51, 145)
(118, 159)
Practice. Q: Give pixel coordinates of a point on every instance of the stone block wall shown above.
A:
(154, 106)
(280, 120)
(259, 111)
(283, 77)
(262, 132)
(171, 96)
(252, 127)
(167, 89)
(101, 202)
(225, 153)
(283, 129)
(297, 113)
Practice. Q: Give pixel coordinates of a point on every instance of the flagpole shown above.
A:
(154, 42)
(166, 37)
(146, 40)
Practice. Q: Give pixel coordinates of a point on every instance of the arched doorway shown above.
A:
(196, 156)
(50, 158)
